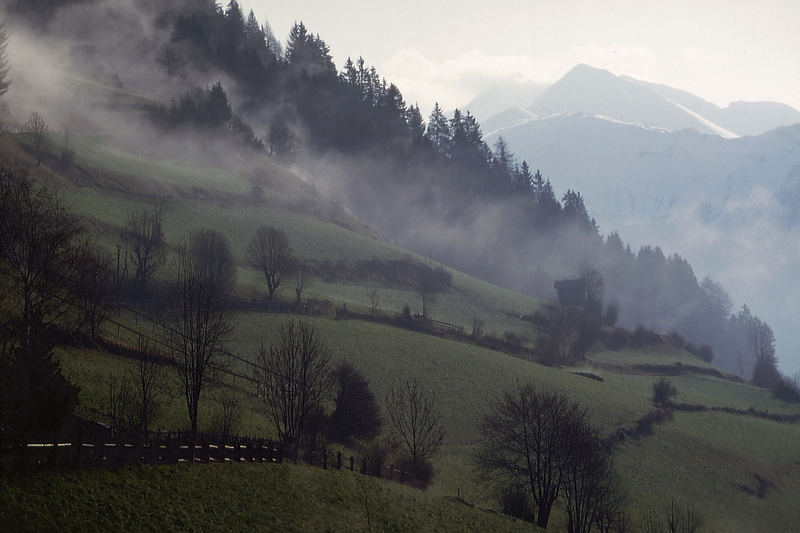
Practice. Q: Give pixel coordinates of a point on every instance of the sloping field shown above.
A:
(707, 459)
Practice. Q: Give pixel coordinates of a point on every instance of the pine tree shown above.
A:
(548, 204)
(523, 178)
(503, 161)
(575, 210)
(438, 132)
(349, 74)
(252, 30)
(393, 103)
(273, 44)
(416, 127)
(537, 188)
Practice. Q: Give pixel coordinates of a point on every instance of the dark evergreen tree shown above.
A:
(356, 414)
(416, 127)
(438, 132)
(523, 180)
(503, 161)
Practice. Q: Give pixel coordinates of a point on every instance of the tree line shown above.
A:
(55, 281)
(443, 171)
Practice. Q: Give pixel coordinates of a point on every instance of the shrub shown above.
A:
(644, 426)
(513, 340)
(35, 397)
(788, 389)
(663, 390)
(644, 337)
(611, 315)
(617, 340)
(514, 501)
(676, 339)
(705, 353)
(378, 451)
(421, 472)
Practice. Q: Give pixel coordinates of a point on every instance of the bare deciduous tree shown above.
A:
(120, 404)
(299, 281)
(147, 377)
(477, 327)
(43, 255)
(297, 378)
(36, 128)
(674, 518)
(269, 252)
(198, 320)
(229, 414)
(93, 289)
(429, 283)
(144, 236)
(524, 438)
(587, 481)
(67, 156)
(374, 301)
(414, 416)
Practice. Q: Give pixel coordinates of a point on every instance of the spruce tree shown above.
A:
(438, 129)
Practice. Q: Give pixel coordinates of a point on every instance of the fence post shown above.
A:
(324, 458)
(338, 460)
(77, 448)
(352, 460)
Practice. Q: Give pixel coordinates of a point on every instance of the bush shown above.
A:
(676, 339)
(379, 451)
(705, 353)
(663, 390)
(421, 472)
(617, 340)
(644, 337)
(513, 340)
(788, 389)
(644, 426)
(35, 397)
(611, 315)
(514, 501)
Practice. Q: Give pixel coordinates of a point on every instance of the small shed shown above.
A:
(571, 292)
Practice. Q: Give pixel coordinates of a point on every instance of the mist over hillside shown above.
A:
(658, 173)
(210, 83)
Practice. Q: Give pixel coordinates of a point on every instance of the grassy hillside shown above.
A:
(708, 459)
(224, 497)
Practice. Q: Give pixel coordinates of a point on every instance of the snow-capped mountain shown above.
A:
(664, 167)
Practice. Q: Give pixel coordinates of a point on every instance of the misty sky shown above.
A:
(720, 50)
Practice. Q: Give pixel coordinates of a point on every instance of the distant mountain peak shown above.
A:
(595, 91)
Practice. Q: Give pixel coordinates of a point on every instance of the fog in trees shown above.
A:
(433, 185)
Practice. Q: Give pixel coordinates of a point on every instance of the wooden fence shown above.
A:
(170, 449)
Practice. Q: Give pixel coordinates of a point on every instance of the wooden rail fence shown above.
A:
(113, 454)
